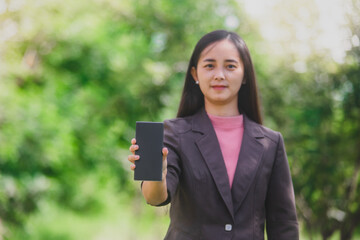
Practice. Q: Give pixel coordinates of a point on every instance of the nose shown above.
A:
(219, 74)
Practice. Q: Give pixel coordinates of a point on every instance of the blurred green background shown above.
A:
(76, 75)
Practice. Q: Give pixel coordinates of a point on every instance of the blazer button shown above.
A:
(228, 227)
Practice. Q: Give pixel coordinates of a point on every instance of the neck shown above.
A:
(228, 110)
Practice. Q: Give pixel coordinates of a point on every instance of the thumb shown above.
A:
(165, 152)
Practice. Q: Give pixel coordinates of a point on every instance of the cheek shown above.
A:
(203, 75)
(236, 85)
(203, 85)
(237, 78)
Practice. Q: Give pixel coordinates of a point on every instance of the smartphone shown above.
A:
(149, 136)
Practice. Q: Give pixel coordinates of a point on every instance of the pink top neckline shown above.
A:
(227, 122)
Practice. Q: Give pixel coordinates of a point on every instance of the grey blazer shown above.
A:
(202, 204)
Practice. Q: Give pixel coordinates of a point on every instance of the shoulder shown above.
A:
(273, 135)
(178, 125)
(264, 131)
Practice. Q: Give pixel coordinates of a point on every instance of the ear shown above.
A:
(194, 74)
(243, 81)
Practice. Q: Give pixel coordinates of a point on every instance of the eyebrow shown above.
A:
(213, 60)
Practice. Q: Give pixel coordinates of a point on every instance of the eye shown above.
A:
(231, 66)
(209, 65)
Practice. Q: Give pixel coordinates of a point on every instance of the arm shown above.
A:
(281, 219)
(154, 192)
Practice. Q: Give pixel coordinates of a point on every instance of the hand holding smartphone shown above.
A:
(149, 138)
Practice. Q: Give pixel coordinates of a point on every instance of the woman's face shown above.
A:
(220, 73)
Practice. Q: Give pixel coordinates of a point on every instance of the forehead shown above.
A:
(224, 49)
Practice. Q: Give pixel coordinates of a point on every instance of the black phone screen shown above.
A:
(149, 137)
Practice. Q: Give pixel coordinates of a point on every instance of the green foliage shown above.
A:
(77, 75)
(319, 116)
(117, 216)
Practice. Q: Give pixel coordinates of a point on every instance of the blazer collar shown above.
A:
(248, 162)
(201, 123)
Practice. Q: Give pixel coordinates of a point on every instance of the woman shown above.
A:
(224, 173)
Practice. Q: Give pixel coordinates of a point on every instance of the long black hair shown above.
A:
(192, 98)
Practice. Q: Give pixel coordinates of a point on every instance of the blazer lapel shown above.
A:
(210, 149)
(249, 160)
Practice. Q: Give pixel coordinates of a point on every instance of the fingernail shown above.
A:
(137, 157)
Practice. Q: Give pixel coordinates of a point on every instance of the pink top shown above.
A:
(229, 131)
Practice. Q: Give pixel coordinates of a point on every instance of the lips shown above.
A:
(219, 87)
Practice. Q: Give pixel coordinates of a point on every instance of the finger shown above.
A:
(133, 148)
(132, 167)
(133, 141)
(133, 158)
(165, 152)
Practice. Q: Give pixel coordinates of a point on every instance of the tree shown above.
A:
(77, 76)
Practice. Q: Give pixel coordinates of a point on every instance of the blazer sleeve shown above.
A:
(281, 219)
(171, 141)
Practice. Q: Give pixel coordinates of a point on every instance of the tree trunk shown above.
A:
(349, 226)
(326, 234)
